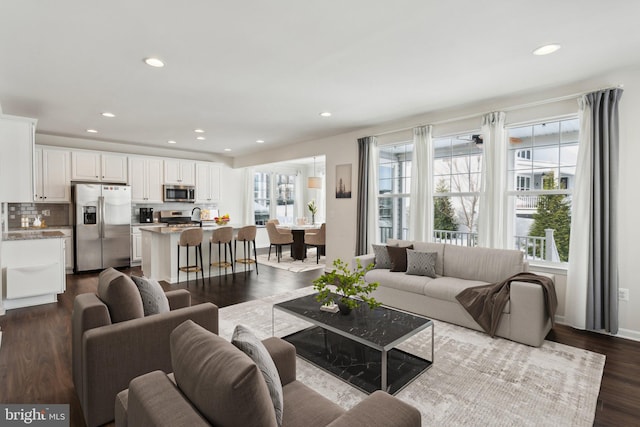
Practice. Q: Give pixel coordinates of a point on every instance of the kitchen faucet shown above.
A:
(199, 220)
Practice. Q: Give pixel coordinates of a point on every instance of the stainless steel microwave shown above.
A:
(179, 193)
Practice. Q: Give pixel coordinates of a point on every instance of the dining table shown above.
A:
(298, 248)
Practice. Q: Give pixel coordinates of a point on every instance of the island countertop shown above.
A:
(171, 230)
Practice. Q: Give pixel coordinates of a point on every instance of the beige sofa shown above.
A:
(524, 318)
(109, 351)
(215, 383)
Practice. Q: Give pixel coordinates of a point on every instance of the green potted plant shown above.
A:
(348, 283)
(313, 209)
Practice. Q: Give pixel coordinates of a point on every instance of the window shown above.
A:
(456, 177)
(540, 187)
(394, 186)
(261, 197)
(274, 197)
(523, 183)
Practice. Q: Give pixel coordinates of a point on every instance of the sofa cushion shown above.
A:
(446, 288)
(398, 242)
(421, 263)
(433, 247)
(488, 265)
(219, 379)
(398, 255)
(382, 259)
(120, 295)
(403, 282)
(250, 345)
(306, 407)
(154, 301)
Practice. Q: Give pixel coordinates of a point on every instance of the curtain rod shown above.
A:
(513, 108)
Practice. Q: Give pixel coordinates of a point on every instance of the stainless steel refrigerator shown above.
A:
(102, 226)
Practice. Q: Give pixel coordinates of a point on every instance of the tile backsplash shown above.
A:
(54, 214)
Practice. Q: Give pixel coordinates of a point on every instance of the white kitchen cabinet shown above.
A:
(145, 178)
(17, 136)
(96, 166)
(53, 170)
(179, 172)
(34, 271)
(207, 182)
(114, 168)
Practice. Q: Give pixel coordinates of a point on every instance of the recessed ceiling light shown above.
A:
(200, 138)
(325, 114)
(108, 114)
(227, 149)
(546, 49)
(198, 130)
(171, 141)
(92, 131)
(260, 141)
(154, 62)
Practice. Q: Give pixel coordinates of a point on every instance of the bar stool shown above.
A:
(222, 236)
(188, 238)
(246, 235)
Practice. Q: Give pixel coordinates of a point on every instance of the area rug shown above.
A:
(290, 264)
(475, 379)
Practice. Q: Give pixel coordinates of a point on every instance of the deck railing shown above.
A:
(534, 247)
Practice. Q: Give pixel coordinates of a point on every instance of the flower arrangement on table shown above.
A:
(222, 220)
(313, 209)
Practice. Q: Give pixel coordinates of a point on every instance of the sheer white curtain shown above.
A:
(492, 217)
(576, 313)
(421, 205)
(300, 205)
(248, 211)
(367, 203)
(373, 230)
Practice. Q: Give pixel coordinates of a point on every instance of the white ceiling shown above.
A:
(249, 70)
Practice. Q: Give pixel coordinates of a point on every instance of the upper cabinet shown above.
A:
(94, 166)
(179, 172)
(145, 177)
(17, 136)
(207, 182)
(52, 171)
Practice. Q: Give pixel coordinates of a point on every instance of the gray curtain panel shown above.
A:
(602, 292)
(364, 152)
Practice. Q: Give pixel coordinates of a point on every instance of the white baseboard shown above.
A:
(628, 334)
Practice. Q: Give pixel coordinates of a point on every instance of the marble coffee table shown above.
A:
(359, 348)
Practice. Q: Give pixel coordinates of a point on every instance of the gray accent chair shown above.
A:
(157, 399)
(112, 341)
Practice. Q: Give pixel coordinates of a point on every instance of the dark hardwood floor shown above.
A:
(35, 357)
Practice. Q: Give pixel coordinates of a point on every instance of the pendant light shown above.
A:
(314, 181)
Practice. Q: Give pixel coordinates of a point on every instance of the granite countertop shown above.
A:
(171, 230)
(32, 235)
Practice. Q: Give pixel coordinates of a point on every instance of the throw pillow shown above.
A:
(246, 341)
(382, 259)
(398, 255)
(120, 295)
(154, 301)
(219, 379)
(421, 263)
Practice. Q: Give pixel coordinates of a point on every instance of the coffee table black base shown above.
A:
(356, 363)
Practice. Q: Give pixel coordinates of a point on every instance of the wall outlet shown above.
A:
(623, 294)
(46, 212)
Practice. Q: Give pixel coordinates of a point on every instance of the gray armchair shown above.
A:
(157, 399)
(108, 351)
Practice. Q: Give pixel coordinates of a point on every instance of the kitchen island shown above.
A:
(160, 253)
